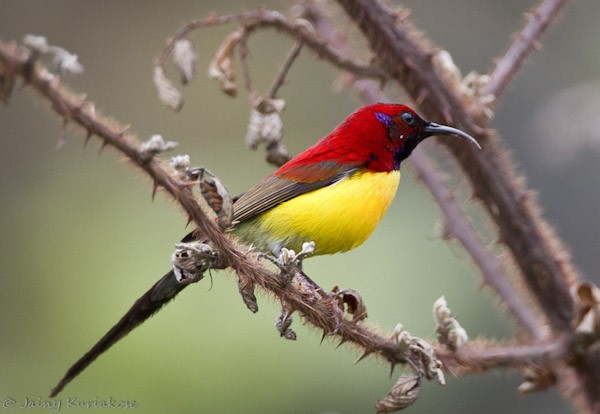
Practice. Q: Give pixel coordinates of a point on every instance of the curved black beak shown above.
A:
(436, 129)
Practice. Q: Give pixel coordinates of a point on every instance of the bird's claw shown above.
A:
(288, 258)
(290, 263)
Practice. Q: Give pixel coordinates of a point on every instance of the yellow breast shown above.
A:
(337, 218)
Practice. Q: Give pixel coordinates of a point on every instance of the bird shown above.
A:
(334, 194)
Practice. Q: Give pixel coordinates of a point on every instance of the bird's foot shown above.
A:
(290, 263)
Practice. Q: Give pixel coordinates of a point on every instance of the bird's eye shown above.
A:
(408, 118)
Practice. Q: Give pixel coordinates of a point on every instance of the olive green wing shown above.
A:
(285, 185)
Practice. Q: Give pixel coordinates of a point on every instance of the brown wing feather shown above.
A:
(277, 189)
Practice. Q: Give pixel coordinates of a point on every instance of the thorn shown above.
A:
(447, 115)
(124, 130)
(88, 136)
(342, 342)
(423, 94)
(154, 189)
(102, 146)
(392, 366)
(81, 102)
(92, 110)
(323, 337)
(363, 356)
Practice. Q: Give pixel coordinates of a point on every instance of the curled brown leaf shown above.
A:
(217, 197)
(404, 393)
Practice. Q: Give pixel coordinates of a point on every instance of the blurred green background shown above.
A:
(81, 239)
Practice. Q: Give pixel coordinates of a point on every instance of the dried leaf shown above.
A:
(587, 297)
(38, 44)
(221, 66)
(247, 292)
(167, 92)
(181, 164)
(218, 198)
(156, 144)
(589, 324)
(191, 260)
(420, 354)
(185, 58)
(65, 63)
(449, 332)
(353, 303)
(283, 323)
(404, 393)
(265, 123)
(586, 294)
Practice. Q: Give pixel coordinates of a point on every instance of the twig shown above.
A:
(490, 266)
(479, 356)
(544, 262)
(538, 20)
(461, 229)
(243, 54)
(285, 68)
(268, 18)
(320, 313)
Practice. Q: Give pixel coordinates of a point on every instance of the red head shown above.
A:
(377, 137)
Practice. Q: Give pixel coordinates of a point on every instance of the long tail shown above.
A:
(155, 298)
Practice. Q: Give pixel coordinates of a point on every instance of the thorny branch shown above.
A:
(542, 259)
(526, 40)
(280, 79)
(254, 20)
(404, 57)
(322, 314)
(458, 225)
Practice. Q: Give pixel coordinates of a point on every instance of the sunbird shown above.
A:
(335, 193)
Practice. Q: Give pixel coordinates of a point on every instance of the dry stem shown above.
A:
(540, 255)
(460, 228)
(538, 20)
(407, 59)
